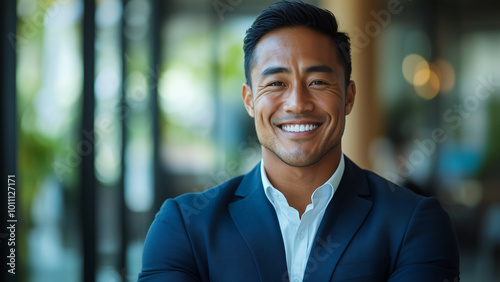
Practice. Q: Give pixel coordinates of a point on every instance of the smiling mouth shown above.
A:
(298, 127)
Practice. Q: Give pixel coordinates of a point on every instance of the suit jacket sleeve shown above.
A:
(429, 251)
(168, 254)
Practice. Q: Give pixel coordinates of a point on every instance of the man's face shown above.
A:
(298, 96)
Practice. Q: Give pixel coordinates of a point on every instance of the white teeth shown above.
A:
(299, 128)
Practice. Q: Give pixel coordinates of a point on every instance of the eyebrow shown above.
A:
(319, 68)
(275, 70)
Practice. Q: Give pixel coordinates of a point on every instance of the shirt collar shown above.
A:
(332, 183)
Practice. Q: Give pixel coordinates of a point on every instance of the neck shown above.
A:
(298, 183)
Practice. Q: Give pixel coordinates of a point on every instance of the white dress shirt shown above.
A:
(298, 233)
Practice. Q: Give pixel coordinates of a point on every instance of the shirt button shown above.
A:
(296, 280)
(301, 235)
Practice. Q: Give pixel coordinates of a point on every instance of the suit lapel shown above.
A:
(257, 223)
(344, 216)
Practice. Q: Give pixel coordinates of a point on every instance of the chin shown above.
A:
(299, 160)
(302, 157)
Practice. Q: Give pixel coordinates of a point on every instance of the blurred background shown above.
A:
(109, 107)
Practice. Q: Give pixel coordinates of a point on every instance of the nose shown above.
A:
(298, 100)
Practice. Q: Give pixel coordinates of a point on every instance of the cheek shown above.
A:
(334, 106)
(265, 108)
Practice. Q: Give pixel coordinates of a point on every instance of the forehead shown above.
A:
(295, 47)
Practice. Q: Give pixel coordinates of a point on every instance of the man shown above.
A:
(306, 212)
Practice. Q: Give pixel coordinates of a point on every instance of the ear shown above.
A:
(349, 97)
(246, 95)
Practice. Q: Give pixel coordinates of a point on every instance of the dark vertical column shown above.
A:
(159, 15)
(123, 118)
(156, 58)
(87, 176)
(8, 130)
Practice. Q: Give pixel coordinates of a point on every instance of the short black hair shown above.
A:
(292, 14)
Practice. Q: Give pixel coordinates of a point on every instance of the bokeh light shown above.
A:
(430, 88)
(428, 79)
(422, 73)
(410, 64)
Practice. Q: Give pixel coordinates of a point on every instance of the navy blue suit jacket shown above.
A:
(372, 230)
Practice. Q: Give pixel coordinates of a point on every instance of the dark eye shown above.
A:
(276, 83)
(318, 82)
